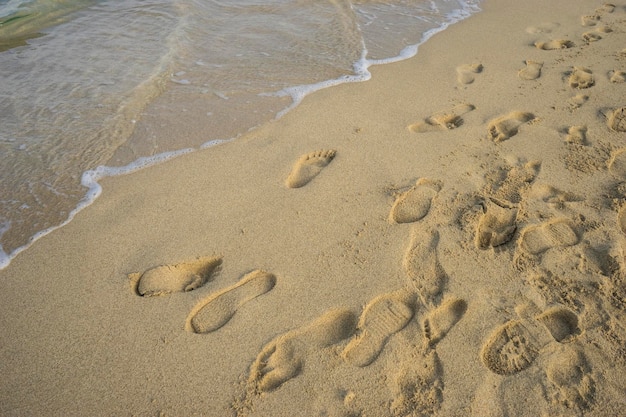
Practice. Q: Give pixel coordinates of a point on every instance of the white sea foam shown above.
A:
(90, 179)
(202, 61)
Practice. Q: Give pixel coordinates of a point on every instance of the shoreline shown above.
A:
(440, 240)
(90, 178)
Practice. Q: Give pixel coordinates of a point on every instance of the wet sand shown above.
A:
(444, 239)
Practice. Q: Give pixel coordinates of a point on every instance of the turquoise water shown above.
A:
(77, 75)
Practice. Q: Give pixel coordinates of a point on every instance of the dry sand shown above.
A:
(445, 239)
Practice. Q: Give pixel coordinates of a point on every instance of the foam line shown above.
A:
(361, 67)
(90, 180)
(297, 93)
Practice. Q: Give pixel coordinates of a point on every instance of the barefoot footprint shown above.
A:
(421, 265)
(591, 36)
(414, 204)
(554, 44)
(308, 167)
(217, 309)
(382, 317)
(165, 279)
(284, 357)
(507, 126)
(532, 70)
(496, 226)
(466, 73)
(537, 239)
(581, 78)
(515, 345)
(442, 319)
(577, 135)
(445, 120)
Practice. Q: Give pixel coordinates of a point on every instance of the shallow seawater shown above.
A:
(77, 75)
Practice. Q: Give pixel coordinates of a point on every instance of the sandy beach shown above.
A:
(446, 239)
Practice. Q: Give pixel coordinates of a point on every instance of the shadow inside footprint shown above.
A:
(440, 321)
(555, 44)
(532, 71)
(414, 204)
(284, 357)
(382, 317)
(466, 73)
(217, 309)
(308, 167)
(617, 120)
(510, 349)
(561, 323)
(165, 279)
(444, 120)
(496, 226)
(581, 78)
(537, 239)
(507, 126)
(425, 275)
(515, 345)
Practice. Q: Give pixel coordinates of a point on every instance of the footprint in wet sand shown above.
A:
(165, 279)
(382, 317)
(284, 357)
(532, 70)
(496, 226)
(421, 265)
(572, 377)
(444, 120)
(515, 345)
(418, 387)
(554, 44)
(414, 204)
(442, 319)
(516, 183)
(217, 309)
(506, 126)
(617, 120)
(308, 167)
(577, 135)
(617, 77)
(537, 239)
(467, 73)
(581, 78)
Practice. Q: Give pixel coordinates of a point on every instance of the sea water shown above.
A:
(77, 75)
